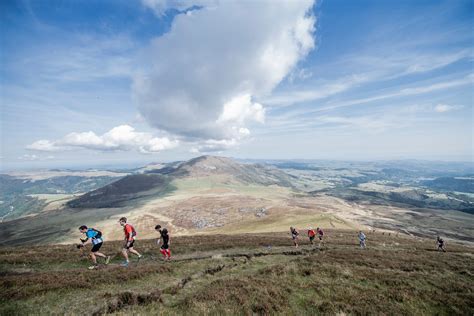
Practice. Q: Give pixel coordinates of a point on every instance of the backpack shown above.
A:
(99, 233)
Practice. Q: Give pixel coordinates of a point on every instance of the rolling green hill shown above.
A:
(159, 182)
(124, 191)
(458, 184)
(17, 194)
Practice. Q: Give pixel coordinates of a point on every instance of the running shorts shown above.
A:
(96, 247)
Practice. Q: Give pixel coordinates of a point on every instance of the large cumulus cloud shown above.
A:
(202, 80)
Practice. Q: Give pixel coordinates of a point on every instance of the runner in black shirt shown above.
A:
(165, 242)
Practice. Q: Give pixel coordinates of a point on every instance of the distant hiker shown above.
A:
(130, 234)
(362, 239)
(94, 237)
(294, 236)
(440, 243)
(311, 235)
(165, 242)
(320, 233)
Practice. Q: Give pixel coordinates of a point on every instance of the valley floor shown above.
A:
(245, 274)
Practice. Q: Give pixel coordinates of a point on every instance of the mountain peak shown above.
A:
(210, 159)
(209, 164)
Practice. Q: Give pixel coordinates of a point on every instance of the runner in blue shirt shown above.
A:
(94, 237)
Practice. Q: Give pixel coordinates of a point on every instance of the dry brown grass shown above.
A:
(241, 274)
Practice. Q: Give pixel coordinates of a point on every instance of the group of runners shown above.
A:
(361, 236)
(311, 235)
(94, 237)
(320, 234)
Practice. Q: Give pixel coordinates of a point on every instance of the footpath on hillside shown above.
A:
(249, 274)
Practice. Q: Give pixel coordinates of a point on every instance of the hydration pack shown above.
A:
(99, 234)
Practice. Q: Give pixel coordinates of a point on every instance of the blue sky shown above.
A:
(122, 82)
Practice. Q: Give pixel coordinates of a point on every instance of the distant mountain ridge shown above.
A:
(246, 173)
(465, 184)
(156, 182)
(210, 194)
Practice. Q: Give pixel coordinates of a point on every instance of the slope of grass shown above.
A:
(17, 193)
(244, 274)
(124, 191)
(281, 222)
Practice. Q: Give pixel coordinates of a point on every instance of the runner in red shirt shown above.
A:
(130, 234)
(311, 235)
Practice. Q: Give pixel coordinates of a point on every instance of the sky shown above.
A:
(89, 83)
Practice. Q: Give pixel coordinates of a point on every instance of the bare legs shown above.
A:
(94, 256)
(131, 250)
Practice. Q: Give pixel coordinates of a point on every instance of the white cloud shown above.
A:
(380, 119)
(220, 145)
(443, 85)
(200, 80)
(365, 122)
(300, 74)
(123, 137)
(244, 131)
(391, 63)
(441, 108)
(43, 145)
(28, 157)
(436, 86)
(376, 69)
(213, 145)
(241, 109)
(323, 91)
(425, 63)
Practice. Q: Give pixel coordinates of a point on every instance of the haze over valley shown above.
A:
(212, 195)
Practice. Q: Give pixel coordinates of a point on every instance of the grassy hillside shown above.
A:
(460, 184)
(245, 274)
(123, 191)
(156, 182)
(18, 195)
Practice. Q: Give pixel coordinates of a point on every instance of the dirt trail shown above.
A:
(249, 254)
